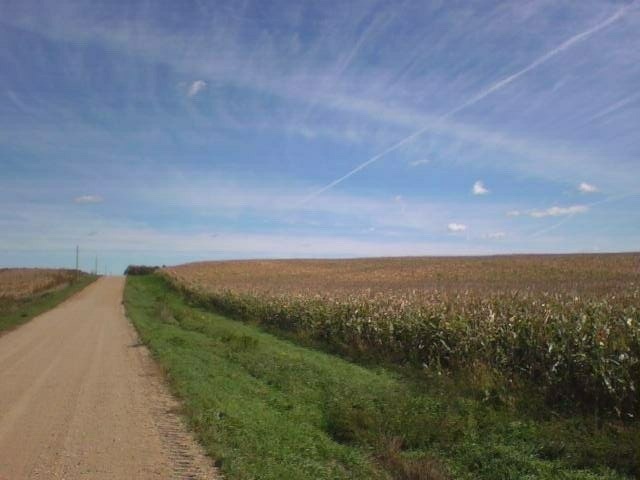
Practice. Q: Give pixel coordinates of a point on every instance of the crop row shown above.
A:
(580, 352)
(19, 283)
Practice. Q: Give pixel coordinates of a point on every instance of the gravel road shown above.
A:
(80, 398)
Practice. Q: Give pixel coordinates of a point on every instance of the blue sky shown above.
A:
(164, 132)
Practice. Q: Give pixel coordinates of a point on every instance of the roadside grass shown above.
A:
(16, 312)
(267, 408)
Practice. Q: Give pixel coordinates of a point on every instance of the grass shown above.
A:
(15, 312)
(568, 324)
(268, 408)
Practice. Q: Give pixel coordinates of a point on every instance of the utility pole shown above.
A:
(96, 271)
(77, 264)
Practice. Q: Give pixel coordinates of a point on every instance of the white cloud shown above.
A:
(495, 235)
(83, 199)
(514, 213)
(417, 163)
(479, 188)
(559, 211)
(456, 227)
(585, 187)
(196, 87)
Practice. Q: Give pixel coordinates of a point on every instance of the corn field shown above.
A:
(567, 325)
(19, 283)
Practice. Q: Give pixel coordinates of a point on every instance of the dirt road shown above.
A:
(80, 398)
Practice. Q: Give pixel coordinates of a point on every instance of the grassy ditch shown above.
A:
(267, 408)
(579, 352)
(16, 312)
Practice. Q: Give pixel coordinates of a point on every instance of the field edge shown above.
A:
(174, 329)
(30, 308)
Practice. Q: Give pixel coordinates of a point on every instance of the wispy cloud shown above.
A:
(559, 211)
(585, 187)
(129, 241)
(495, 235)
(543, 59)
(257, 106)
(456, 227)
(479, 188)
(478, 97)
(303, 82)
(85, 199)
(612, 199)
(216, 195)
(533, 156)
(554, 211)
(196, 87)
(417, 163)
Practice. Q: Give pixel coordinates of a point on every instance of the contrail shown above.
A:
(616, 106)
(550, 54)
(613, 198)
(553, 227)
(345, 63)
(475, 99)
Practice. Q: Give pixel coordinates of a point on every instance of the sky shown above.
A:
(164, 132)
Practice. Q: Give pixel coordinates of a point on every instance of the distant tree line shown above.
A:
(140, 269)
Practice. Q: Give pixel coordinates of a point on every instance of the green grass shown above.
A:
(267, 408)
(16, 312)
